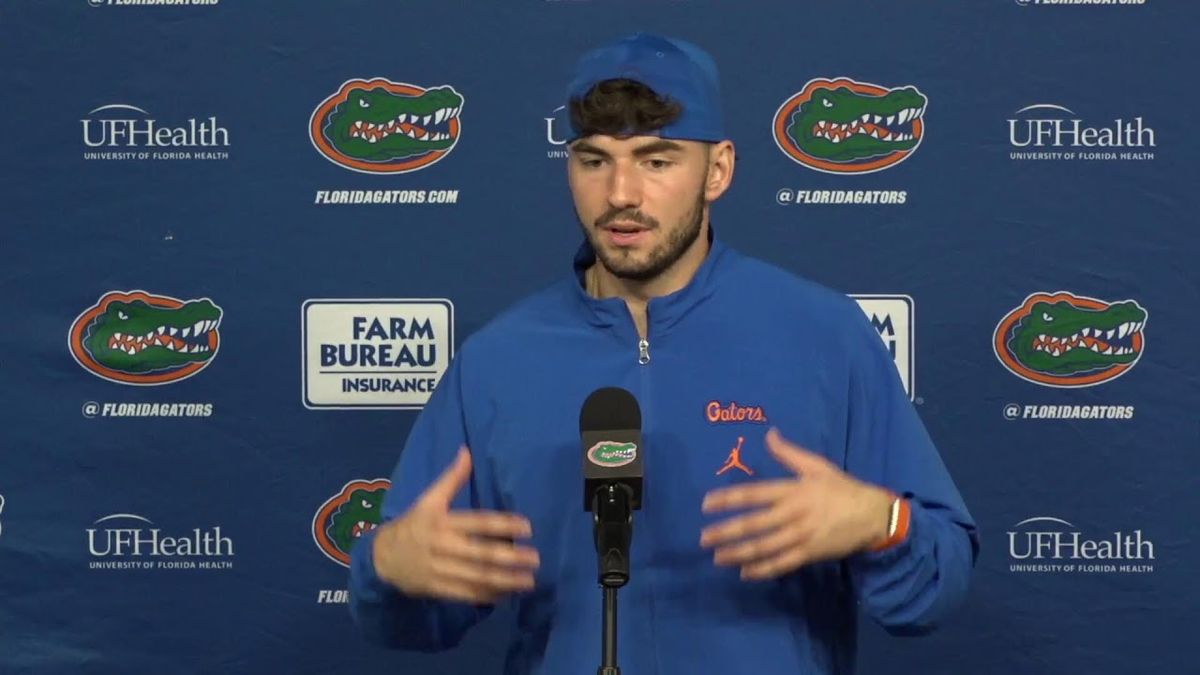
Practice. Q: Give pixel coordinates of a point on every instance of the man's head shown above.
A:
(647, 152)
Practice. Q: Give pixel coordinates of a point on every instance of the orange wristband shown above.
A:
(898, 531)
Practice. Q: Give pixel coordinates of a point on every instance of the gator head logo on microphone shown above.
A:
(612, 454)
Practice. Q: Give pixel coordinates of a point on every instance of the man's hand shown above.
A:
(469, 556)
(823, 514)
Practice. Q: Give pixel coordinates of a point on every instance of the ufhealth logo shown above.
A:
(383, 127)
(1066, 340)
(1048, 131)
(141, 338)
(131, 541)
(124, 132)
(348, 515)
(893, 317)
(844, 126)
(375, 353)
(1045, 544)
(612, 454)
(557, 128)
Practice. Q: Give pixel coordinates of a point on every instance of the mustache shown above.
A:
(633, 216)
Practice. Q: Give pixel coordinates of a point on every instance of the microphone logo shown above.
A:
(612, 454)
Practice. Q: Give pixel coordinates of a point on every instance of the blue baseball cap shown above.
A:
(674, 69)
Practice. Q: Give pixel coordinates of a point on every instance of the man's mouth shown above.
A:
(626, 234)
(625, 228)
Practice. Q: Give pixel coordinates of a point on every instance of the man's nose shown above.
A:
(625, 187)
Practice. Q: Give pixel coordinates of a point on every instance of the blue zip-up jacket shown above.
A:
(743, 334)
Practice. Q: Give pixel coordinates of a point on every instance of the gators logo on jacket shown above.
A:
(845, 126)
(135, 337)
(1067, 340)
(380, 126)
(348, 515)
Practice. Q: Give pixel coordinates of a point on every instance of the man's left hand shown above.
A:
(822, 514)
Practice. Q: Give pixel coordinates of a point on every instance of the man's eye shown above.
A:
(659, 163)
(590, 163)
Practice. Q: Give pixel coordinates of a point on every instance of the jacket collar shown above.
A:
(663, 311)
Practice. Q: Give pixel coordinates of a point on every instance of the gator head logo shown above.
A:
(347, 516)
(1065, 340)
(138, 338)
(379, 126)
(612, 454)
(845, 126)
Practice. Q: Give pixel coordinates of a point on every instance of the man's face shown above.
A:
(640, 200)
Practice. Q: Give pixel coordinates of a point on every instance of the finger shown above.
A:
(458, 546)
(453, 478)
(759, 548)
(747, 525)
(795, 457)
(463, 592)
(482, 522)
(489, 578)
(777, 565)
(742, 496)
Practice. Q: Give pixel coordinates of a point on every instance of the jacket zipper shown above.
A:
(645, 394)
(643, 342)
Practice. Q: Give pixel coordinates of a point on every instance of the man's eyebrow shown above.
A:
(651, 148)
(657, 147)
(584, 146)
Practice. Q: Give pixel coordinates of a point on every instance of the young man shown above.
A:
(761, 394)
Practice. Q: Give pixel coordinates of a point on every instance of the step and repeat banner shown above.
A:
(241, 241)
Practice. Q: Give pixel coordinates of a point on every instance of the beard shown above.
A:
(623, 263)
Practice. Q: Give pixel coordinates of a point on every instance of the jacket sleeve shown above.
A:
(909, 587)
(384, 614)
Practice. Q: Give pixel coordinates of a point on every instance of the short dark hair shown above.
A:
(621, 106)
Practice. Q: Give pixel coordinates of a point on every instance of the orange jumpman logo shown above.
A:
(735, 460)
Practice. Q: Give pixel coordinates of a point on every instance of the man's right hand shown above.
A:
(468, 556)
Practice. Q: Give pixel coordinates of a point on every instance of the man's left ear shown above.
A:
(720, 169)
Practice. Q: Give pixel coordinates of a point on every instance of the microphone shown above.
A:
(610, 424)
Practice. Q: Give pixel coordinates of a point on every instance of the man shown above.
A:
(761, 393)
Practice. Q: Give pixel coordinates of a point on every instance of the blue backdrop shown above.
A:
(203, 282)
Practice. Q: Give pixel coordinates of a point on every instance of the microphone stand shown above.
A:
(612, 520)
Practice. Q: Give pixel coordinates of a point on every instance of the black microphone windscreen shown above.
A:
(610, 408)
